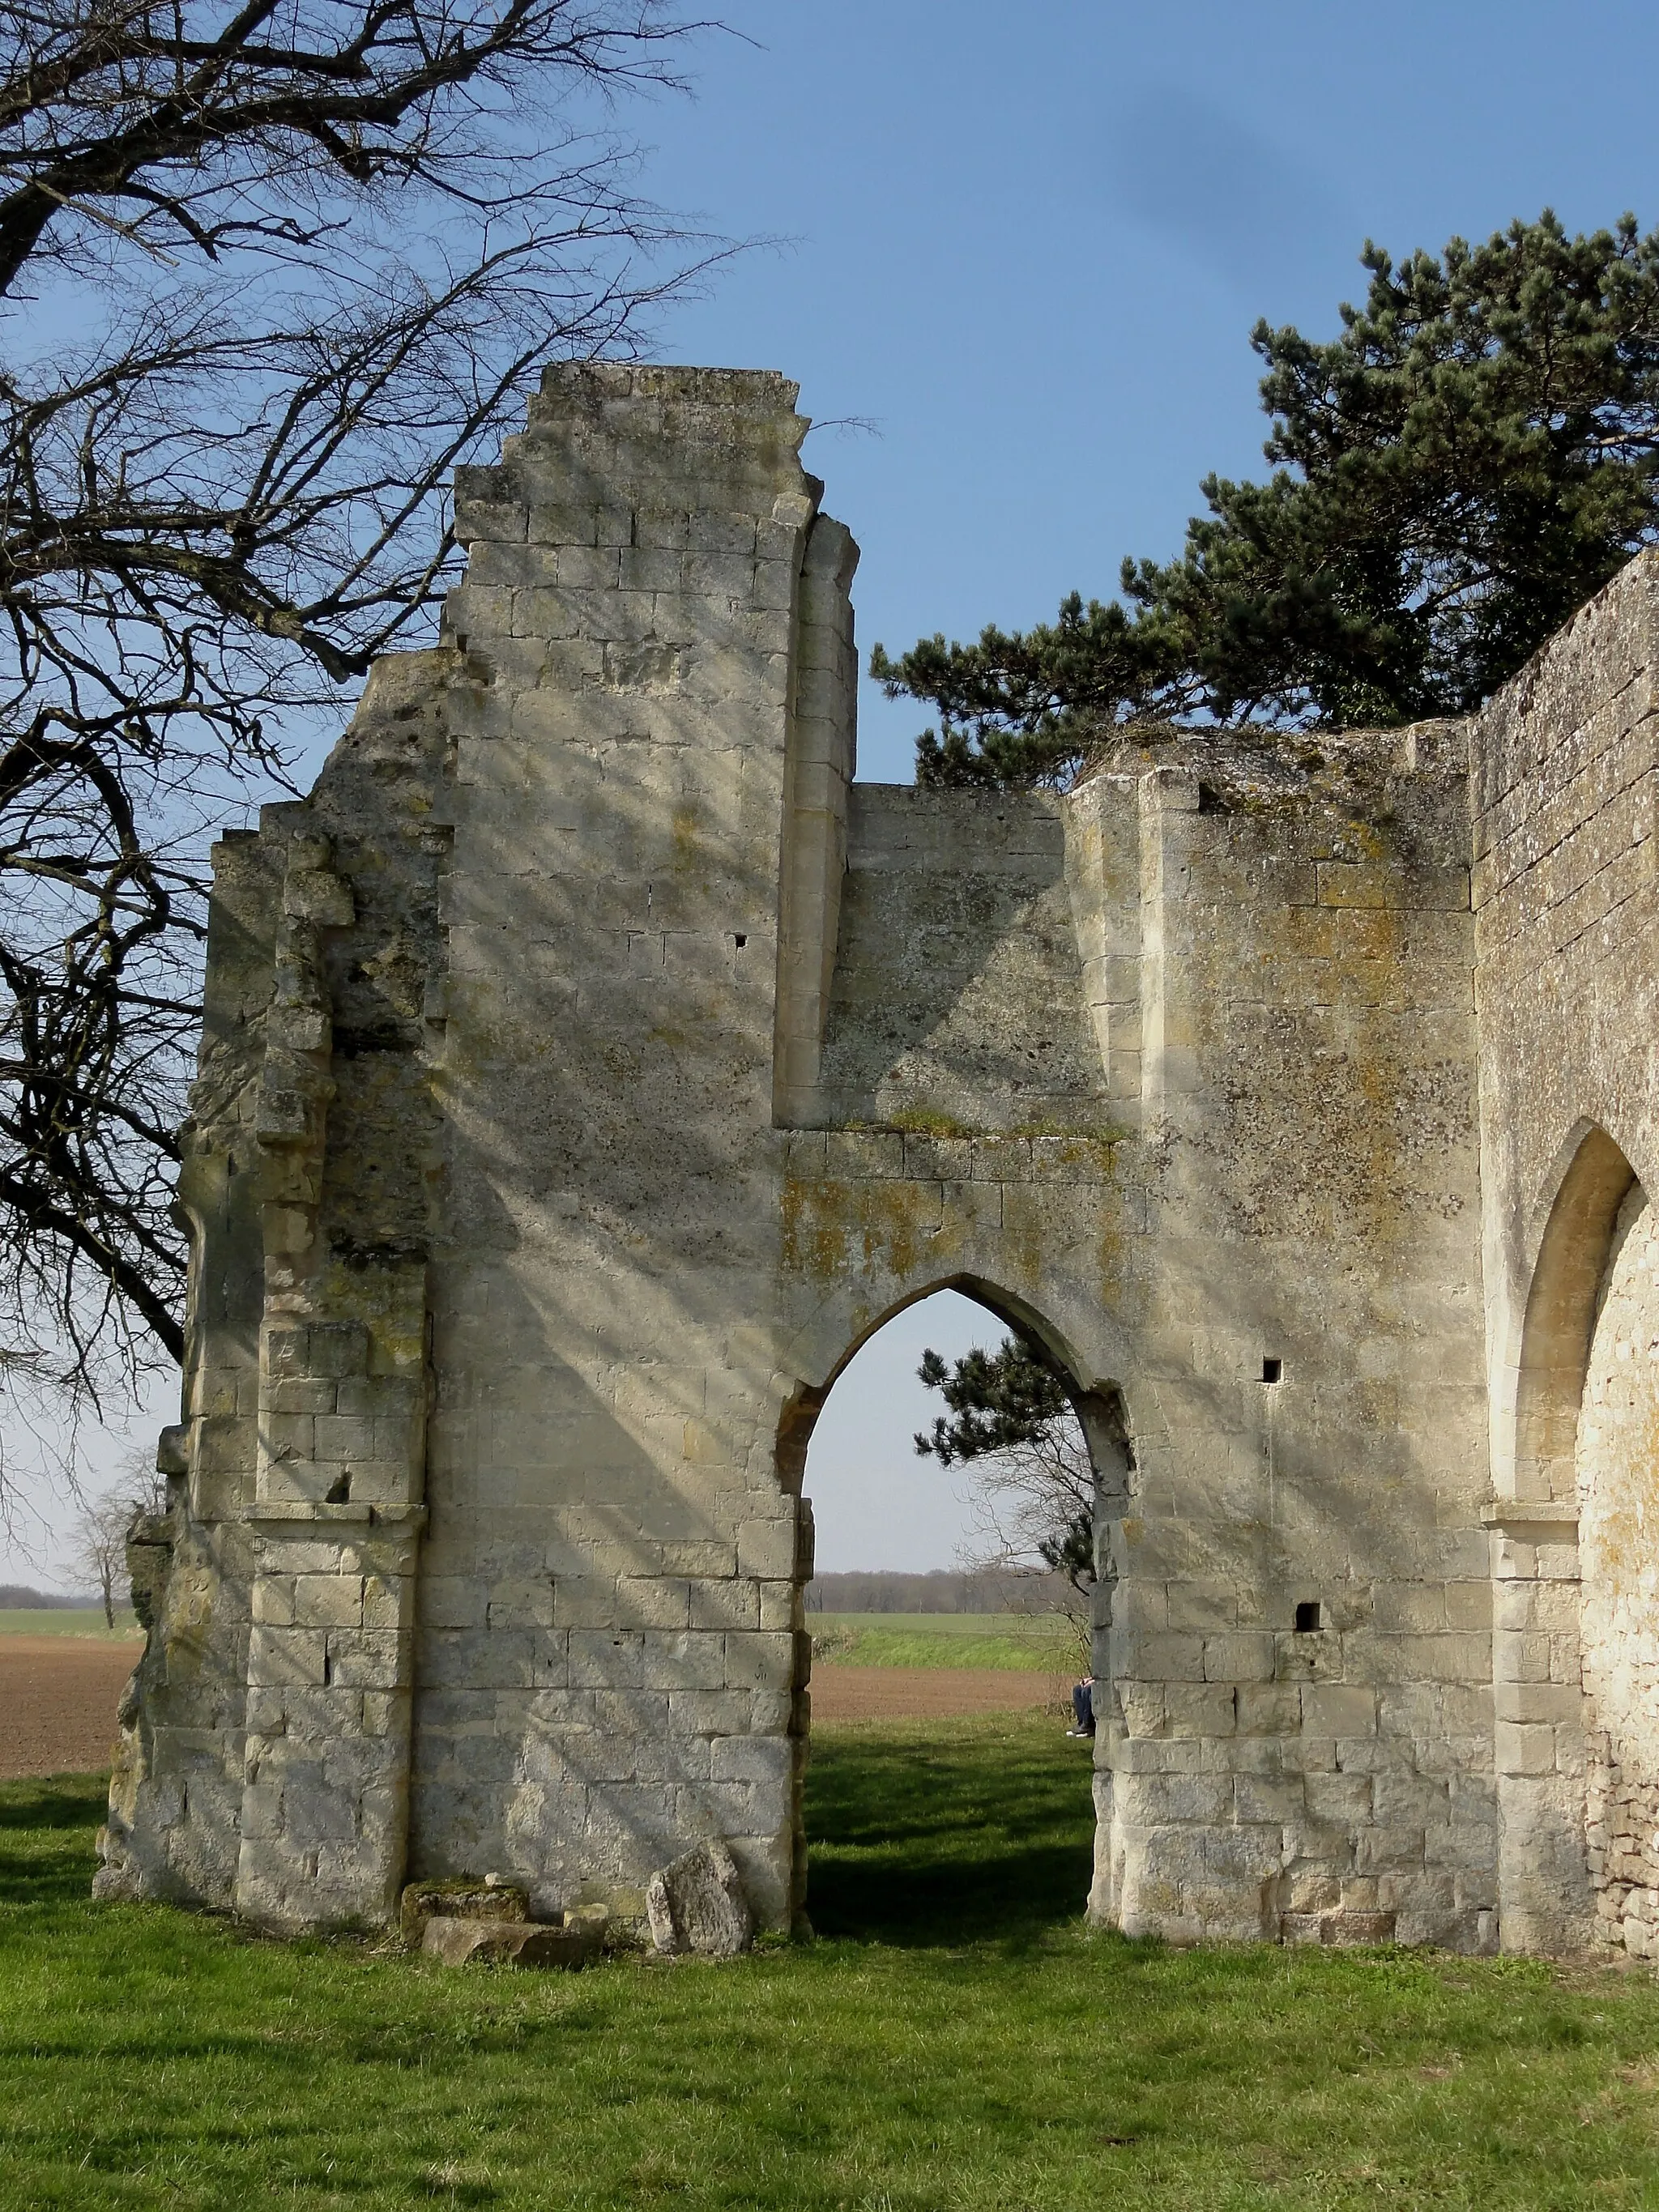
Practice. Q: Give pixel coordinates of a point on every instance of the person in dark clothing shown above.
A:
(1083, 1705)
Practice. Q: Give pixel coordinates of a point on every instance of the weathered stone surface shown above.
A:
(457, 1941)
(590, 1063)
(697, 1903)
(457, 1900)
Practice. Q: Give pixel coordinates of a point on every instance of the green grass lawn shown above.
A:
(67, 1620)
(1042, 1642)
(955, 2041)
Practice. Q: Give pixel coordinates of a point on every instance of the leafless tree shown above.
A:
(268, 272)
(1032, 1497)
(99, 1554)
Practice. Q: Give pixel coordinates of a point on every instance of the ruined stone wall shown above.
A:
(1305, 1044)
(590, 1066)
(1565, 877)
(608, 1637)
(263, 1762)
(1214, 1106)
(1617, 1454)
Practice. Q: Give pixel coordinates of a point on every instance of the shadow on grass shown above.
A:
(947, 1833)
(47, 1829)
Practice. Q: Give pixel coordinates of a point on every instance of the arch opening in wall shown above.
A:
(1560, 1313)
(938, 1651)
(1587, 1447)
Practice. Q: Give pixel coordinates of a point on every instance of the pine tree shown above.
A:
(1471, 459)
(1012, 1416)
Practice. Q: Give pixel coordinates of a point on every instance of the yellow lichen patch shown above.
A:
(924, 1120)
(687, 851)
(883, 1223)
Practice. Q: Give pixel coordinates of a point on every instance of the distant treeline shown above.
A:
(944, 1590)
(17, 1597)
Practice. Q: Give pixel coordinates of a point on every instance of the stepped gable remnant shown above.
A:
(590, 1065)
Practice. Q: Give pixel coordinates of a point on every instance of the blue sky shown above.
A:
(1028, 243)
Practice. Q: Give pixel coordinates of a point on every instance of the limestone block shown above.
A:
(458, 1899)
(1199, 1709)
(1333, 1710)
(1243, 1656)
(1341, 1799)
(369, 1659)
(766, 1760)
(607, 1659)
(719, 1712)
(766, 1548)
(1269, 1709)
(272, 1600)
(690, 1660)
(697, 1903)
(279, 1656)
(654, 1602)
(731, 1601)
(1378, 1849)
(457, 1942)
(758, 1662)
(325, 1600)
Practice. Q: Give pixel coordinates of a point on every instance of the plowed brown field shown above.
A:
(869, 1694)
(57, 1700)
(58, 1695)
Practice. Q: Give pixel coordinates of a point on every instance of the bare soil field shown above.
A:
(869, 1694)
(59, 1694)
(57, 1698)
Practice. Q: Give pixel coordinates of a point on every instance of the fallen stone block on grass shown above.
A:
(697, 1903)
(515, 1942)
(458, 1900)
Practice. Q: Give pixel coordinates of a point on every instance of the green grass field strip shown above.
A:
(67, 1620)
(955, 2039)
(1035, 1642)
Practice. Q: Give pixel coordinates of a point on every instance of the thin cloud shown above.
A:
(1236, 204)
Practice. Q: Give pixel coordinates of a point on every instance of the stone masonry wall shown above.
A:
(590, 1066)
(608, 1630)
(264, 1757)
(1220, 1112)
(1563, 771)
(1618, 1484)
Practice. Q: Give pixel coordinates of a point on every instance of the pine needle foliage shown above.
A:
(1011, 1414)
(1472, 457)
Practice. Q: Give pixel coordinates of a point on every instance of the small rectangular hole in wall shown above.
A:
(1273, 1370)
(1310, 1615)
(741, 940)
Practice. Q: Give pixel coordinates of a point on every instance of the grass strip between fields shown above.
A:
(1037, 1643)
(69, 1620)
(956, 2040)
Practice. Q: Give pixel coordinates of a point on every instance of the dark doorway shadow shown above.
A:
(947, 1833)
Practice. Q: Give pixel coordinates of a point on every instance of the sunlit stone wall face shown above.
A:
(1619, 1550)
(590, 1066)
(1564, 766)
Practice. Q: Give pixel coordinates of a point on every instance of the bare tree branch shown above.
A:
(290, 264)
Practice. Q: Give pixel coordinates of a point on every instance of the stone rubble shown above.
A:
(696, 1905)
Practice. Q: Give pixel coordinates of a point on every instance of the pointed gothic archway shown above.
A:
(1575, 1600)
(1103, 1424)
